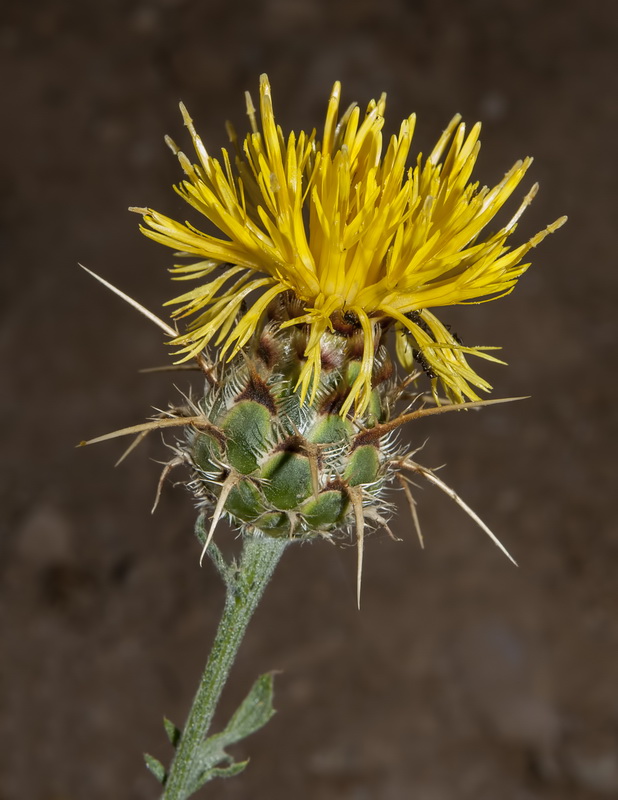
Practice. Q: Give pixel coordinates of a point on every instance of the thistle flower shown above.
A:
(327, 246)
(343, 228)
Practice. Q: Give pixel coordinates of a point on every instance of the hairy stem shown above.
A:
(245, 584)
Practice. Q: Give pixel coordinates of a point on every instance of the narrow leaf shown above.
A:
(228, 772)
(217, 772)
(173, 733)
(155, 766)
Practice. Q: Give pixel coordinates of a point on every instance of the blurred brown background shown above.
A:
(462, 677)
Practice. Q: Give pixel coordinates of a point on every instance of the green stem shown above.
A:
(245, 584)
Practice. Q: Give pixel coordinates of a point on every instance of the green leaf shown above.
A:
(155, 766)
(252, 714)
(235, 768)
(228, 772)
(173, 733)
(254, 711)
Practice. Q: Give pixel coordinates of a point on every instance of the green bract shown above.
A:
(282, 467)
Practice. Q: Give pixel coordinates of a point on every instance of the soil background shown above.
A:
(462, 677)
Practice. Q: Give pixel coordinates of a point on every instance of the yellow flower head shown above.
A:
(346, 229)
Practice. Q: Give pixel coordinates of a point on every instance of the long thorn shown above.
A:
(383, 428)
(170, 368)
(413, 511)
(135, 443)
(312, 456)
(175, 462)
(148, 314)
(153, 425)
(356, 498)
(432, 478)
(228, 485)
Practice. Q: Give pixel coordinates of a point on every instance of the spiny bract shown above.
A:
(277, 466)
(282, 467)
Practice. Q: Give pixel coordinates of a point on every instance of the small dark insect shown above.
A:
(423, 363)
(351, 318)
(453, 333)
(415, 317)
